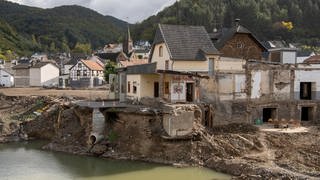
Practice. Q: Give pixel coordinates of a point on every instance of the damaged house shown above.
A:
(230, 70)
(180, 57)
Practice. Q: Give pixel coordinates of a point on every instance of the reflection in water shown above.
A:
(26, 161)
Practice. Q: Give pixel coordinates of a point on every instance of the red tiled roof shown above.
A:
(92, 65)
(313, 60)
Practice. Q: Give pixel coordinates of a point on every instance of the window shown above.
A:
(167, 64)
(129, 85)
(85, 73)
(160, 51)
(79, 65)
(135, 87)
(166, 88)
(305, 90)
(78, 72)
(240, 45)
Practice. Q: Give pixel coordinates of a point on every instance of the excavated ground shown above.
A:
(241, 150)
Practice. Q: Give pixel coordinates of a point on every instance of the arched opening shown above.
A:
(160, 51)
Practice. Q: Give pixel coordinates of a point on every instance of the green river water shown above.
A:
(25, 161)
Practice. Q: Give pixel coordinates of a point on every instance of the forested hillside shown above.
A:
(263, 17)
(27, 29)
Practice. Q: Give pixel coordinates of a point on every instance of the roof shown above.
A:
(92, 65)
(109, 56)
(226, 34)
(303, 53)
(185, 42)
(133, 62)
(7, 71)
(313, 60)
(41, 64)
(149, 68)
(22, 66)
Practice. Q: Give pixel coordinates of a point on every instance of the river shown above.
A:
(26, 161)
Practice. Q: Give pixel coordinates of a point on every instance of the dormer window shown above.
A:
(160, 51)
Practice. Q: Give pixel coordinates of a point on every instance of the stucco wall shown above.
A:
(161, 60)
(225, 64)
(49, 75)
(35, 77)
(137, 79)
(147, 85)
(289, 57)
(307, 76)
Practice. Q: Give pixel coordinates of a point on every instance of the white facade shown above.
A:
(310, 74)
(289, 57)
(47, 75)
(80, 70)
(6, 79)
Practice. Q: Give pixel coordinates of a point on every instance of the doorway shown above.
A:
(269, 113)
(156, 89)
(189, 94)
(306, 113)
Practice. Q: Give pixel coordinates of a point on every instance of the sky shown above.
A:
(129, 10)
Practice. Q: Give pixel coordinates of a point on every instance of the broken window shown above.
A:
(166, 88)
(129, 85)
(305, 90)
(134, 87)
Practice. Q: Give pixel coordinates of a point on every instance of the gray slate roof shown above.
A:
(185, 42)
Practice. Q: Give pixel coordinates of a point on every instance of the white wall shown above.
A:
(256, 82)
(289, 57)
(6, 79)
(307, 76)
(49, 75)
(35, 77)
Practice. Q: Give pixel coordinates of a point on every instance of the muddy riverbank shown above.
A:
(241, 150)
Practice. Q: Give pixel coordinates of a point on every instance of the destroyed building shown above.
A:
(231, 71)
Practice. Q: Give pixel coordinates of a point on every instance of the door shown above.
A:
(156, 89)
(189, 94)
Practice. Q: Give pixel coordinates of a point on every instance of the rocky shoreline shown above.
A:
(241, 150)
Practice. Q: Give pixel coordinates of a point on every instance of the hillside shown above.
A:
(262, 17)
(56, 29)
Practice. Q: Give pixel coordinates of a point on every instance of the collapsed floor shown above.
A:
(238, 149)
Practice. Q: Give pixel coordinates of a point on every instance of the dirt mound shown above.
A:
(235, 128)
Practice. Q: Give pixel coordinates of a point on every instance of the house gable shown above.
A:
(243, 46)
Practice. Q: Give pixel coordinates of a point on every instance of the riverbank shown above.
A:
(241, 150)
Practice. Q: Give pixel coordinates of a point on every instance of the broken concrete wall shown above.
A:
(281, 84)
(178, 119)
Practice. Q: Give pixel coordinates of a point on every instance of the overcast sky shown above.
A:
(134, 10)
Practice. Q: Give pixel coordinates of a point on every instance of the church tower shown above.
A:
(127, 43)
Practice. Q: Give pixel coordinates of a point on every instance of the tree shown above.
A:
(110, 68)
(82, 48)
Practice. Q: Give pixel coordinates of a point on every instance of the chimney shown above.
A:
(237, 22)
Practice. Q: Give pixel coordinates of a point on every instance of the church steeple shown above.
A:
(128, 43)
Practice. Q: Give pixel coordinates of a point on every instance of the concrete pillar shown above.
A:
(98, 126)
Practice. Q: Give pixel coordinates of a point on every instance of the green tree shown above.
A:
(82, 48)
(110, 68)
